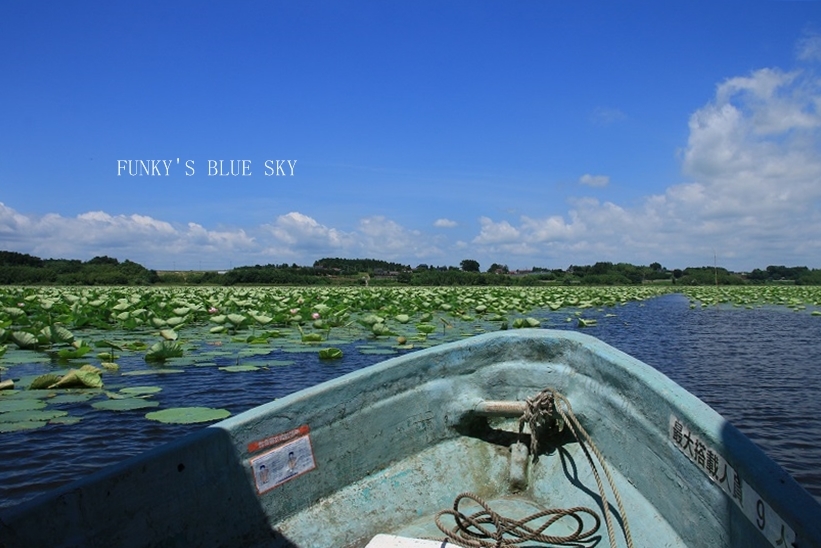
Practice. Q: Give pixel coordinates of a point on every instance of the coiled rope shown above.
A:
(545, 413)
(470, 531)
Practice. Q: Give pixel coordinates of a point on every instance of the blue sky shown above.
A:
(528, 133)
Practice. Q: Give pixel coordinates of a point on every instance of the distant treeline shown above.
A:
(346, 267)
(23, 269)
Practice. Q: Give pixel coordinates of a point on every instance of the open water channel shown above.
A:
(759, 368)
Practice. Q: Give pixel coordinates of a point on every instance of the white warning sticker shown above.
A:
(283, 463)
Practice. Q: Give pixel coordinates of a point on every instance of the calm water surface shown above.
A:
(758, 368)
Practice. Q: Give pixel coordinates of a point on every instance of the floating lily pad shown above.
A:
(299, 350)
(73, 398)
(152, 372)
(125, 404)
(377, 351)
(18, 426)
(140, 390)
(7, 405)
(239, 368)
(188, 415)
(65, 420)
(31, 415)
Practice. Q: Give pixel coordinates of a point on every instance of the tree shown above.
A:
(469, 265)
(496, 268)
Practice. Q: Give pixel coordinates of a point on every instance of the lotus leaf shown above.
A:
(163, 350)
(377, 351)
(169, 334)
(73, 353)
(57, 334)
(188, 415)
(152, 372)
(44, 381)
(73, 398)
(330, 354)
(125, 404)
(18, 426)
(65, 420)
(139, 390)
(236, 319)
(7, 405)
(239, 368)
(14, 312)
(77, 378)
(31, 415)
(24, 339)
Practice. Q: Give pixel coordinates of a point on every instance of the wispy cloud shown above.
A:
(444, 223)
(809, 47)
(605, 116)
(596, 181)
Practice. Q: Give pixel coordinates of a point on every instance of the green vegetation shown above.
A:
(19, 268)
(22, 269)
(75, 338)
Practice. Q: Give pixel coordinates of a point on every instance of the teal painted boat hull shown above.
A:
(383, 449)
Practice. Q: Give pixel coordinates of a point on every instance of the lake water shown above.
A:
(758, 368)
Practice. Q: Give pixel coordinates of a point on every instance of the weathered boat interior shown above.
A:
(385, 449)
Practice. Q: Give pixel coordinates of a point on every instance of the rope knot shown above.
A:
(542, 417)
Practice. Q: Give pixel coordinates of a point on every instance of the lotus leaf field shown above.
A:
(76, 337)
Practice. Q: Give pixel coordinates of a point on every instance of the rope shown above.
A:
(539, 412)
(546, 413)
(470, 531)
